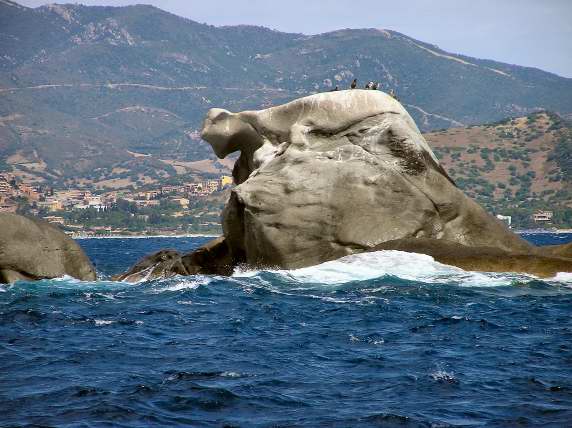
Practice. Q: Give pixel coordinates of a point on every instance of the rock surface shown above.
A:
(336, 173)
(564, 250)
(488, 259)
(212, 258)
(32, 249)
(339, 173)
(162, 264)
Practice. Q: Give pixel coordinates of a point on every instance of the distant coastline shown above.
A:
(189, 235)
(541, 231)
(214, 235)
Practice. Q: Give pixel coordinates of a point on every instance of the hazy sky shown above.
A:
(535, 33)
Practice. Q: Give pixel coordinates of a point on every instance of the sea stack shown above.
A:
(337, 173)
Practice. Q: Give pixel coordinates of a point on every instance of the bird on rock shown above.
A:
(354, 84)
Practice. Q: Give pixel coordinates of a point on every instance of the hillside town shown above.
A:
(70, 208)
(75, 209)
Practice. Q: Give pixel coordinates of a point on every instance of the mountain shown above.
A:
(119, 93)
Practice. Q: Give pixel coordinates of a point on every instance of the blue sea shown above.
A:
(387, 339)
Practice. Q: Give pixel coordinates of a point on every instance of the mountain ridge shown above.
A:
(84, 87)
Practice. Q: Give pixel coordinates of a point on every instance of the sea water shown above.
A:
(380, 339)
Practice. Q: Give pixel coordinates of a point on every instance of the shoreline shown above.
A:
(191, 235)
(207, 235)
(542, 231)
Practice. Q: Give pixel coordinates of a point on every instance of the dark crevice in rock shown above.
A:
(412, 161)
(342, 131)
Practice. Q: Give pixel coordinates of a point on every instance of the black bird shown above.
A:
(369, 85)
(335, 89)
(375, 86)
(354, 84)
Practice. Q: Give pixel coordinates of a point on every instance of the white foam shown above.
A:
(372, 265)
(190, 235)
(181, 283)
(103, 322)
(563, 277)
(441, 375)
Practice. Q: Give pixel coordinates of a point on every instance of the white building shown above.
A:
(506, 218)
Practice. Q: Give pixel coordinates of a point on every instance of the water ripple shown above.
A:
(382, 340)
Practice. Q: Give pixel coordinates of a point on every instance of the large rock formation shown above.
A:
(32, 249)
(336, 173)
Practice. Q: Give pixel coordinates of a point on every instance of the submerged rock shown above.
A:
(212, 258)
(32, 249)
(162, 264)
(337, 173)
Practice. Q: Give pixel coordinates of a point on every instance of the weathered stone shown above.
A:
(564, 250)
(486, 259)
(162, 264)
(212, 258)
(32, 249)
(337, 173)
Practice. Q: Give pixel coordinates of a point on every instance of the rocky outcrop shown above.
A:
(337, 173)
(488, 259)
(32, 249)
(212, 258)
(564, 250)
(162, 264)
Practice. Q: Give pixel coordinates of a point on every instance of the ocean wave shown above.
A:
(356, 268)
(100, 323)
(563, 277)
(444, 376)
(399, 264)
(180, 283)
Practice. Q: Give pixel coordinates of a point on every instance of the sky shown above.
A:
(535, 33)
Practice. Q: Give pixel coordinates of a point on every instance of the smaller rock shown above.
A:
(212, 258)
(33, 249)
(162, 264)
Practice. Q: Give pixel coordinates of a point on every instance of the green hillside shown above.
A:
(86, 92)
(515, 166)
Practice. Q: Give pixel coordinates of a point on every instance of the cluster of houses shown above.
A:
(539, 217)
(46, 199)
(12, 192)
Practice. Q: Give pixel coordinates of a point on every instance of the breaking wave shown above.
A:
(397, 264)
